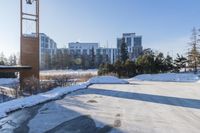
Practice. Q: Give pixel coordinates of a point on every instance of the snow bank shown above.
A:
(6, 81)
(53, 94)
(168, 77)
(106, 80)
(36, 99)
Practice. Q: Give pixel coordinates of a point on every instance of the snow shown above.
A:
(6, 88)
(107, 80)
(168, 77)
(7, 91)
(53, 94)
(36, 99)
(157, 107)
(6, 81)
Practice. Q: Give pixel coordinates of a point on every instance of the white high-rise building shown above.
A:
(134, 44)
(109, 54)
(48, 48)
(79, 48)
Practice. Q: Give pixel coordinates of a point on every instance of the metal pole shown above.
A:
(37, 20)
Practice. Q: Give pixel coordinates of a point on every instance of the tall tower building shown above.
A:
(134, 44)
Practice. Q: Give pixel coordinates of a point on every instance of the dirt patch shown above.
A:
(118, 115)
(92, 101)
(117, 123)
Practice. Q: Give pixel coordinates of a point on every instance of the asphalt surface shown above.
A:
(142, 107)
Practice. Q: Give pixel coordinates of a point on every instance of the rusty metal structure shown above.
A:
(29, 42)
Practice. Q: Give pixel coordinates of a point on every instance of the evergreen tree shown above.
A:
(130, 68)
(146, 63)
(159, 63)
(180, 62)
(118, 68)
(168, 63)
(123, 51)
(105, 68)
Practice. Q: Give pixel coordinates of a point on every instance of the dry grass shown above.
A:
(71, 77)
(85, 77)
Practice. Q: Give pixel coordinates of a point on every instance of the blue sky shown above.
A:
(164, 24)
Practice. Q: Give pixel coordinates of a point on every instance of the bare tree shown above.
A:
(193, 53)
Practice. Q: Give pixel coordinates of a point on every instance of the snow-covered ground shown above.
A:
(69, 72)
(54, 94)
(8, 81)
(168, 77)
(106, 80)
(139, 107)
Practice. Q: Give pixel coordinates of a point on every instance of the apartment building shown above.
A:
(107, 55)
(80, 48)
(134, 44)
(48, 49)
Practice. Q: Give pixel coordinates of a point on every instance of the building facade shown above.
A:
(108, 55)
(79, 48)
(134, 44)
(48, 49)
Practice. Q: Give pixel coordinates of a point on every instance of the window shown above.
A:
(128, 41)
(138, 41)
(78, 52)
(71, 51)
(85, 51)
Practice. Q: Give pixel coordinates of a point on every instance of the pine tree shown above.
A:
(180, 62)
(194, 54)
(130, 68)
(123, 51)
(146, 62)
(118, 68)
(168, 63)
(159, 63)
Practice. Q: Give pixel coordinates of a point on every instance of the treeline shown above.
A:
(10, 61)
(150, 62)
(62, 59)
